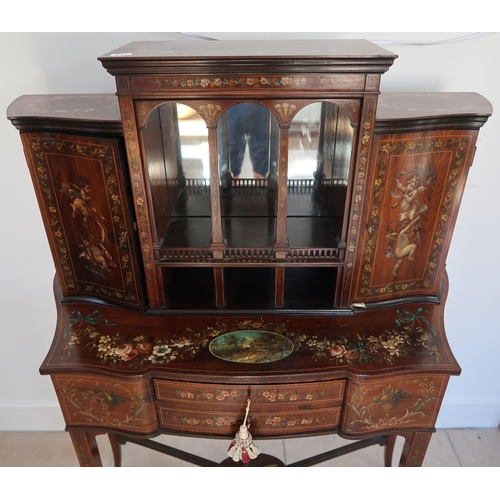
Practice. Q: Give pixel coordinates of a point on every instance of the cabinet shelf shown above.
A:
(310, 238)
(249, 198)
(249, 223)
(250, 288)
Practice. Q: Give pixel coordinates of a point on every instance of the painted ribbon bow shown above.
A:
(408, 317)
(93, 318)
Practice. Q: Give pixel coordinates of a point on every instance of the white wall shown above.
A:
(39, 63)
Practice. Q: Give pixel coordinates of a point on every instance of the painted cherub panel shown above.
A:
(416, 185)
(81, 191)
(406, 228)
(86, 216)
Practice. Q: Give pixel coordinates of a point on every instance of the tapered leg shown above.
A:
(116, 449)
(414, 449)
(389, 449)
(86, 448)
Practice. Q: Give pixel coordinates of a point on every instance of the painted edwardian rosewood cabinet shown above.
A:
(250, 220)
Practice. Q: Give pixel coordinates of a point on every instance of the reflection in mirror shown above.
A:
(193, 135)
(303, 142)
(247, 137)
(247, 148)
(177, 159)
(177, 137)
(320, 143)
(319, 156)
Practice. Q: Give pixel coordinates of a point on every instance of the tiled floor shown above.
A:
(448, 448)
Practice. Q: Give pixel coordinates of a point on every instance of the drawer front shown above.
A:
(91, 401)
(261, 423)
(278, 396)
(406, 402)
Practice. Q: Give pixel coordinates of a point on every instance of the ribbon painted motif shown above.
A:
(408, 318)
(93, 319)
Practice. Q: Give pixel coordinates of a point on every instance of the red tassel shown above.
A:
(244, 456)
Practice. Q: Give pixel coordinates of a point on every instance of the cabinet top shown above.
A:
(392, 106)
(355, 55)
(67, 112)
(413, 105)
(400, 111)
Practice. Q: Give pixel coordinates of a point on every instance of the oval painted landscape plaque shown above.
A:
(251, 346)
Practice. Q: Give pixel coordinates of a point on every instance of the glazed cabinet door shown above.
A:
(83, 199)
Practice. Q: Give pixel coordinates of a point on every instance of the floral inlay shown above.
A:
(116, 349)
(255, 420)
(286, 421)
(378, 411)
(214, 421)
(271, 396)
(139, 193)
(222, 82)
(93, 251)
(231, 395)
(411, 337)
(359, 187)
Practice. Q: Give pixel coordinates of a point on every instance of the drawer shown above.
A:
(107, 402)
(405, 402)
(277, 396)
(262, 424)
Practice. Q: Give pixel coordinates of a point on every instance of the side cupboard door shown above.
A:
(416, 181)
(80, 186)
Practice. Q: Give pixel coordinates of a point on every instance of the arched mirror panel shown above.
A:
(319, 157)
(248, 148)
(177, 161)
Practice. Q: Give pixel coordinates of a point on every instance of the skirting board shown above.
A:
(31, 418)
(453, 415)
(469, 415)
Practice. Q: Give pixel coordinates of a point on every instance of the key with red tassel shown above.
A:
(243, 447)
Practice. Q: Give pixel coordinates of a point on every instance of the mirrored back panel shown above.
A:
(235, 221)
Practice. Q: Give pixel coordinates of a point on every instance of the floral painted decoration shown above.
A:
(411, 336)
(376, 409)
(99, 404)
